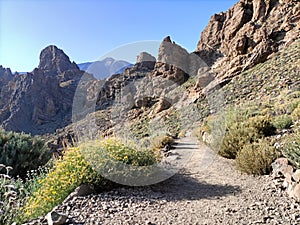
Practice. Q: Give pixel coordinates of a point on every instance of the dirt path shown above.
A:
(208, 190)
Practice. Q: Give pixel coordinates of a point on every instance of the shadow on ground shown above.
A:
(184, 187)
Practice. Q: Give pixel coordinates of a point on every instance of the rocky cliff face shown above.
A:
(54, 61)
(248, 34)
(41, 101)
(5, 76)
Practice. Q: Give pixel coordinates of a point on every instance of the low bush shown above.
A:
(101, 152)
(235, 138)
(22, 152)
(262, 124)
(291, 149)
(282, 122)
(161, 141)
(296, 113)
(256, 158)
(245, 132)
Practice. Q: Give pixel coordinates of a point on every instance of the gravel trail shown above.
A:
(207, 190)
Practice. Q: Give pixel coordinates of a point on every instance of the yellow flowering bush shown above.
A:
(121, 163)
(112, 149)
(66, 174)
(77, 167)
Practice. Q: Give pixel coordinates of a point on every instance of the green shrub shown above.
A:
(256, 158)
(99, 153)
(22, 152)
(262, 125)
(296, 114)
(161, 141)
(244, 132)
(282, 122)
(291, 149)
(235, 138)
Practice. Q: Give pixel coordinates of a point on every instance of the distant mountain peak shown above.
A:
(102, 69)
(54, 59)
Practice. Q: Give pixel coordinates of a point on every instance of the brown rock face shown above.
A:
(248, 33)
(175, 63)
(55, 60)
(41, 101)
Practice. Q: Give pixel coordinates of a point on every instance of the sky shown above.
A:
(87, 30)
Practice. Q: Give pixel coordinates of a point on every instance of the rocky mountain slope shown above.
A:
(40, 101)
(247, 34)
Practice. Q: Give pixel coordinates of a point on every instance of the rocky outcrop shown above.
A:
(5, 76)
(54, 61)
(286, 178)
(175, 63)
(144, 59)
(175, 56)
(247, 34)
(41, 101)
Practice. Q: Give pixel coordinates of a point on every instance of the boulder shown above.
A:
(296, 175)
(162, 105)
(296, 192)
(55, 218)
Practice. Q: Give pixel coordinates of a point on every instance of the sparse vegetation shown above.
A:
(140, 128)
(173, 123)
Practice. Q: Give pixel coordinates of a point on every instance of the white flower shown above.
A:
(10, 186)
(8, 169)
(4, 176)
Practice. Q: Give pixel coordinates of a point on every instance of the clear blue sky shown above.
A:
(88, 29)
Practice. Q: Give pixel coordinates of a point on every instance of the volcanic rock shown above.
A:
(247, 34)
(145, 59)
(55, 60)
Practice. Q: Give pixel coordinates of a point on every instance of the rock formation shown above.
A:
(144, 59)
(247, 34)
(55, 61)
(41, 101)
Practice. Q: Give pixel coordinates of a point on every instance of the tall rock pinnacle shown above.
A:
(54, 59)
